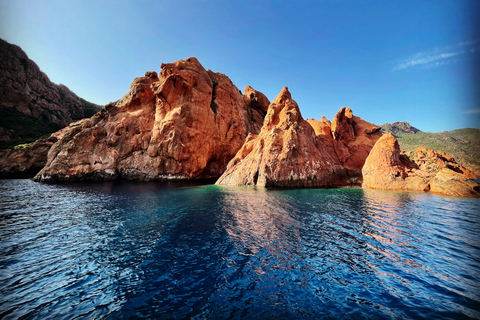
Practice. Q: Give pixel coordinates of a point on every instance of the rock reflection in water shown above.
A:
(130, 250)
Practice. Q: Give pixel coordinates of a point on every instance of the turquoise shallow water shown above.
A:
(184, 251)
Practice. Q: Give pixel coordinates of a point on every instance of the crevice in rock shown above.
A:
(255, 178)
(213, 104)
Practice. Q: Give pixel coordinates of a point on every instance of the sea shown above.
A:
(131, 250)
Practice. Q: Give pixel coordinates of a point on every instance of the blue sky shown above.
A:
(388, 60)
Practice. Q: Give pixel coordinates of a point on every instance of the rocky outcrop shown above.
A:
(293, 152)
(184, 124)
(26, 91)
(353, 138)
(25, 161)
(387, 168)
(398, 127)
(434, 161)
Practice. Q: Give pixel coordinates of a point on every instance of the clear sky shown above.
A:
(415, 61)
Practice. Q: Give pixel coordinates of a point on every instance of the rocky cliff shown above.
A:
(25, 161)
(292, 152)
(353, 138)
(388, 168)
(184, 124)
(30, 104)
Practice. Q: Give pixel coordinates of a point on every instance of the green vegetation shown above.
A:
(463, 144)
(90, 108)
(23, 128)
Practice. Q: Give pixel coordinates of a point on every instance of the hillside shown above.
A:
(463, 144)
(32, 106)
(398, 127)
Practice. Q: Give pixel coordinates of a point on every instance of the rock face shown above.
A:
(353, 138)
(397, 127)
(25, 161)
(292, 152)
(184, 124)
(24, 89)
(387, 168)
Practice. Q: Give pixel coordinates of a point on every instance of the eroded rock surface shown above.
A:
(25, 161)
(184, 124)
(293, 152)
(387, 168)
(353, 138)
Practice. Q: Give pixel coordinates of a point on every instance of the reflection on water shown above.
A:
(156, 250)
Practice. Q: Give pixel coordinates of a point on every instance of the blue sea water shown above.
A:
(125, 250)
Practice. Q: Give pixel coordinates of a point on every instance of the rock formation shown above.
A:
(188, 123)
(353, 138)
(25, 161)
(387, 168)
(399, 127)
(26, 91)
(292, 152)
(184, 124)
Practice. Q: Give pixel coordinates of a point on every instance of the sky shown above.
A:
(414, 61)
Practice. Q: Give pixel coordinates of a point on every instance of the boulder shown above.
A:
(387, 169)
(453, 183)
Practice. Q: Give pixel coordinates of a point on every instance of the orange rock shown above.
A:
(388, 169)
(292, 152)
(431, 160)
(452, 183)
(322, 128)
(353, 140)
(284, 153)
(385, 168)
(185, 123)
(342, 125)
(257, 106)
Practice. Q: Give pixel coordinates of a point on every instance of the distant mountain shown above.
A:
(397, 127)
(31, 105)
(464, 144)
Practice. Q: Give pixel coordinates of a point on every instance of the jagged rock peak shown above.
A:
(255, 99)
(342, 125)
(283, 110)
(283, 96)
(151, 74)
(284, 153)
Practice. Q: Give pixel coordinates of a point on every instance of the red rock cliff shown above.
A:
(186, 123)
(292, 152)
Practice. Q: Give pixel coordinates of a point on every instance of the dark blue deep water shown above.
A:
(176, 251)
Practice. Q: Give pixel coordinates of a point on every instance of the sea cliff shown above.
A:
(189, 123)
(184, 124)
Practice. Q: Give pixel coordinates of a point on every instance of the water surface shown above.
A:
(183, 251)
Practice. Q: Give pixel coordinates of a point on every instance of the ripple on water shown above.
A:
(133, 250)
